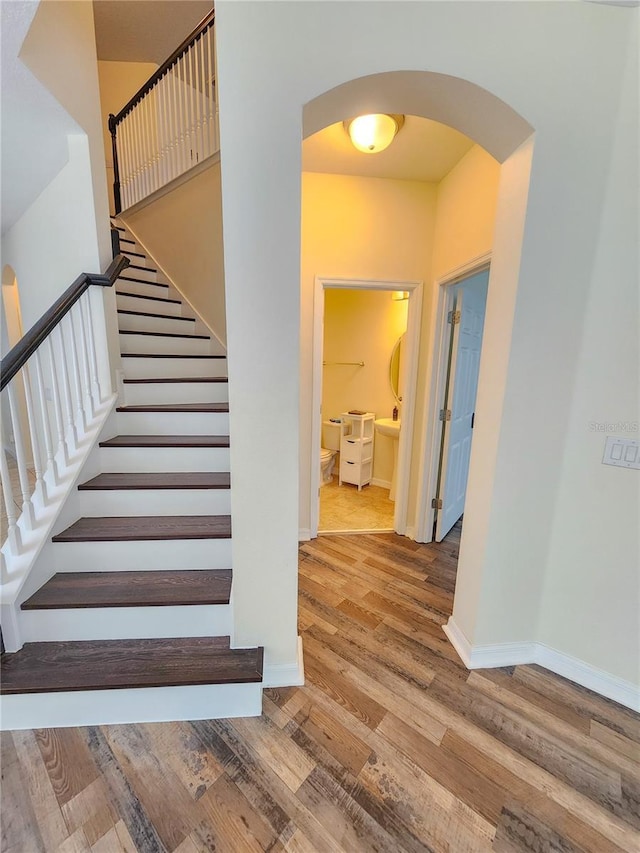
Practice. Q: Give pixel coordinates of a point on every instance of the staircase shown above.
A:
(134, 621)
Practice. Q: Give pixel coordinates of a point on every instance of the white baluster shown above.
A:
(137, 175)
(124, 171)
(52, 464)
(81, 418)
(182, 118)
(161, 129)
(72, 435)
(95, 382)
(175, 145)
(212, 92)
(57, 406)
(41, 488)
(13, 532)
(86, 373)
(198, 99)
(206, 146)
(153, 135)
(27, 507)
(192, 109)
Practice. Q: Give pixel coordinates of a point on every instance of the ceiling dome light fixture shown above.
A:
(373, 133)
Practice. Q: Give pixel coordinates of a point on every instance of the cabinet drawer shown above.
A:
(354, 472)
(351, 450)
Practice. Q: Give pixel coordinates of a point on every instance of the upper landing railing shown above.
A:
(170, 124)
(51, 388)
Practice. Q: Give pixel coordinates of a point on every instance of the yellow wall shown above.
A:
(352, 227)
(362, 325)
(388, 229)
(119, 81)
(182, 230)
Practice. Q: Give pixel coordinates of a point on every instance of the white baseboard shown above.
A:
(384, 484)
(515, 654)
(285, 674)
(304, 534)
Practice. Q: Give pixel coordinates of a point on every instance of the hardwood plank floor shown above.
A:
(391, 745)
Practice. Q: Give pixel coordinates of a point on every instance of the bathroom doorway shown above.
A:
(358, 459)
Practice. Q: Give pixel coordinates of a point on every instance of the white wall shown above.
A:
(541, 63)
(60, 49)
(595, 546)
(65, 231)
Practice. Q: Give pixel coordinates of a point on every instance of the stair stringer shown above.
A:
(220, 345)
(22, 571)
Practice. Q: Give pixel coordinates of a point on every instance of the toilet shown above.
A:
(330, 446)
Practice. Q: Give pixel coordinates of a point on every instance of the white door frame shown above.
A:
(430, 456)
(410, 357)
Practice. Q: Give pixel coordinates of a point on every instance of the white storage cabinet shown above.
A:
(356, 449)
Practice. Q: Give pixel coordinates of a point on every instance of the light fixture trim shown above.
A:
(373, 132)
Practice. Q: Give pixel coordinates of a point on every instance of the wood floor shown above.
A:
(390, 746)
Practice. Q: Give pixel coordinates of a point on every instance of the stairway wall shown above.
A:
(182, 230)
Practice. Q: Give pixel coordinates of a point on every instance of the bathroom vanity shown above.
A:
(356, 449)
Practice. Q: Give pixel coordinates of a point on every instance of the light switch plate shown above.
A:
(622, 452)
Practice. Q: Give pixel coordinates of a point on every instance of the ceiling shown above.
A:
(144, 30)
(423, 150)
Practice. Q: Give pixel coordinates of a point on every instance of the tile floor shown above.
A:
(344, 508)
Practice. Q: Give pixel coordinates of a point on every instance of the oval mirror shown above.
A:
(394, 369)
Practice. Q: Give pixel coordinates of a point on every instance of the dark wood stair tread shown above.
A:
(119, 664)
(132, 589)
(152, 298)
(155, 316)
(158, 480)
(216, 408)
(166, 441)
(175, 379)
(138, 528)
(143, 280)
(140, 267)
(168, 354)
(163, 334)
(134, 254)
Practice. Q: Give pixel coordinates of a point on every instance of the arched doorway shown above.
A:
(508, 137)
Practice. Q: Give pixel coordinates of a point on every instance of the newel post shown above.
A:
(116, 170)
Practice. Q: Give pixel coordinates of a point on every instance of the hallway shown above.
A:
(390, 746)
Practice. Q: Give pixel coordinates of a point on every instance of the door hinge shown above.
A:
(436, 503)
(453, 317)
(445, 414)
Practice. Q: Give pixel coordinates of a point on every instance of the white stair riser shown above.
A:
(139, 270)
(128, 244)
(137, 705)
(173, 325)
(173, 423)
(161, 344)
(148, 459)
(154, 502)
(175, 392)
(134, 303)
(142, 289)
(142, 555)
(137, 261)
(150, 368)
(125, 623)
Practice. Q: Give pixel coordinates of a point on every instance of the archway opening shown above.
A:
(508, 138)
